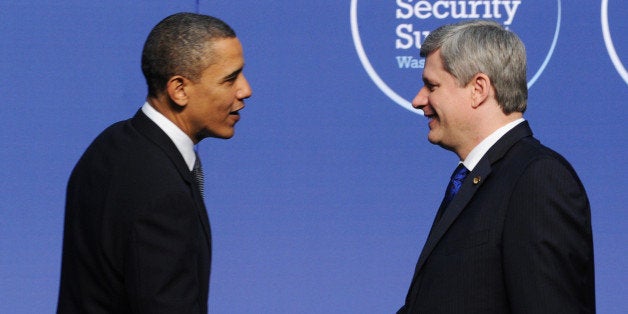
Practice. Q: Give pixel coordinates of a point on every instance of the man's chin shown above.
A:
(225, 135)
(432, 138)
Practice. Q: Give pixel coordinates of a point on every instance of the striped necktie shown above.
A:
(455, 183)
(197, 172)
(457, 177)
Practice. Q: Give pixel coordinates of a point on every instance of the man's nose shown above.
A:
(420, 100)
(245, 90)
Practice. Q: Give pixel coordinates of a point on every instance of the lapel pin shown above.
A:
(477, 180)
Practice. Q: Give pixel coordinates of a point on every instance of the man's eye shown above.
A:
(231, 79)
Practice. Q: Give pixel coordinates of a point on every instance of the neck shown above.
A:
(486, 125)
(172, 112)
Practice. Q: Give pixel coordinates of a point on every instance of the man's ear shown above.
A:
(176, 90)
(482, 89)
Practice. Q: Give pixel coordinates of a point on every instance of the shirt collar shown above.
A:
(480, 150)
(181, 140)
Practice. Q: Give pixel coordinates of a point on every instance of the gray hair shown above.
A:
(472, 47)
(180, 45)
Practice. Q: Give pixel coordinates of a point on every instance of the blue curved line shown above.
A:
(400, 100)
(608, 41)
(366, 64)
(551, 52)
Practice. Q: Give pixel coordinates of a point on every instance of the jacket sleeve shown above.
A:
(161, 265)
(547, 242)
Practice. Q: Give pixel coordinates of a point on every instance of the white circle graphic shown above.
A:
(367, 64)
(609, 43)
(357, 41)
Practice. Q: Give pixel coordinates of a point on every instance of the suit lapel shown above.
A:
(149, 129)
(471, 184)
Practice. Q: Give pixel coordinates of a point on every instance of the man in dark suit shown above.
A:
(136, 235)
(513, 234)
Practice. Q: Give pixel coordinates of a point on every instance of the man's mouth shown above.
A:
(430, 119)
(237, 111)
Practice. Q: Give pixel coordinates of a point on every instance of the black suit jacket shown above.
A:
(515, 239)
(136, 234)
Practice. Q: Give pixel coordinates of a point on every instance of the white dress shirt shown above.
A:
(182, 141)
(480, 150)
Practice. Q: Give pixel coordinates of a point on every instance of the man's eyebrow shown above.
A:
(233, 75)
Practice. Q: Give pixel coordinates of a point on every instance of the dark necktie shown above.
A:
(453, 187)
(197, 172)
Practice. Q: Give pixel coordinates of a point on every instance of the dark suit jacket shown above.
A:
(515, 239)
(136, 234)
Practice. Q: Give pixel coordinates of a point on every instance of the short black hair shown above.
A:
(180, 45)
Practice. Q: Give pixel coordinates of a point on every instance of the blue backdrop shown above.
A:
(322, 201)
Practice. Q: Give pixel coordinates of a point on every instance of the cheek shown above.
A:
(225, 99)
